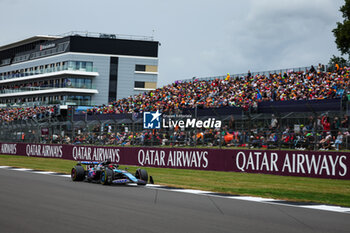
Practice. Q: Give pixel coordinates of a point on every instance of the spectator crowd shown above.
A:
(25, 113)
(244, 92)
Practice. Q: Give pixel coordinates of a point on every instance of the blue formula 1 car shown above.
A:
(107, 173)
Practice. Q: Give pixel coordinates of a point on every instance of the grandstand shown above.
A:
(299, 109)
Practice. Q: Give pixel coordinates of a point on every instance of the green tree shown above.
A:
(336, 60)
(342, 31)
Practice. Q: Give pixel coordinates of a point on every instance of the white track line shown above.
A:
(43, 172)
(153, 185)
(193, 191)
(255, 199)
(67, 176)
(329, 208)
(22, 169)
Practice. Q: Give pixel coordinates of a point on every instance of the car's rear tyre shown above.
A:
(77, 173)
(106, 177)
(142, 174)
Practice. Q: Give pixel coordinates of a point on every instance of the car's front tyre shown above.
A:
(142, 174)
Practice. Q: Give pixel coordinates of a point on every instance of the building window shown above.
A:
(140, 68)
(77, 83)
(113, 79)
(80, 100)
(139, 84)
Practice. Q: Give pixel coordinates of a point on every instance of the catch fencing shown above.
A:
(280, 125)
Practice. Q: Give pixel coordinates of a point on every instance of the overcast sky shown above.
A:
(198, 38)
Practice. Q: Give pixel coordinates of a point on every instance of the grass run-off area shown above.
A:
(327, 191)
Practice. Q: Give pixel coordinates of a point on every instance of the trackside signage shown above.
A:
(308, 164)
(321, 164)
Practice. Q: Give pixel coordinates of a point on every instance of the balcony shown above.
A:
(24, 91)
(69, 69)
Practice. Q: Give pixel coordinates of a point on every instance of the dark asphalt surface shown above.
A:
(43, 203)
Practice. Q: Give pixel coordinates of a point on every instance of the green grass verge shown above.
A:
(327, 191)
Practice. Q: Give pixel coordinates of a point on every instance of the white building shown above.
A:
(79, 69)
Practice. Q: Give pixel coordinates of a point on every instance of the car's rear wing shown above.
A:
(94, 163)
(89, 162)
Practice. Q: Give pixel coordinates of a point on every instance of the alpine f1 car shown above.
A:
(107, 173)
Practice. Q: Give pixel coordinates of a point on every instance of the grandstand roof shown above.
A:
(28, 40)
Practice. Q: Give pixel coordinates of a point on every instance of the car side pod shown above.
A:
(121, 181)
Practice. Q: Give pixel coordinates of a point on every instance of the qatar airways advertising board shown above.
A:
(321, 164)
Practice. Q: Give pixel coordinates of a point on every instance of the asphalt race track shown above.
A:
(43, 203)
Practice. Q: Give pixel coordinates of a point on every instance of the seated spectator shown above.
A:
(338, 140)
(299, 142)
(256, 141)
(326, 141)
